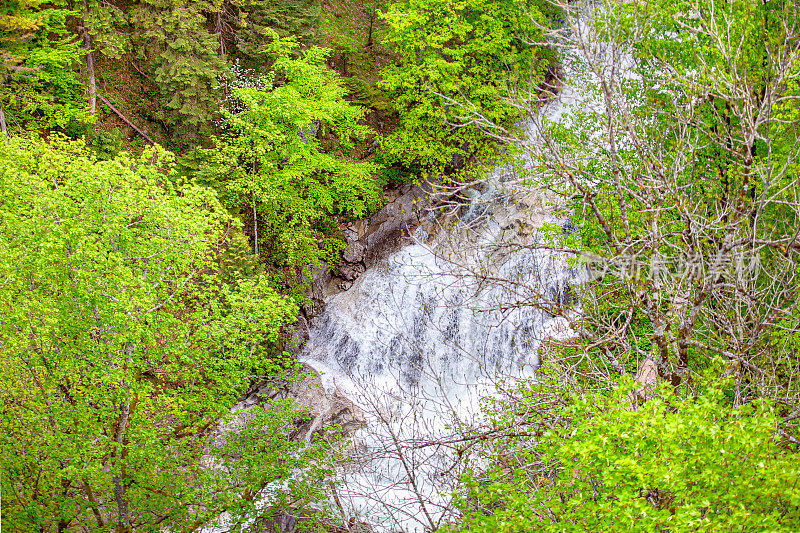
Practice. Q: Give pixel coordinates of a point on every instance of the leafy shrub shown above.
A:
(670, 464)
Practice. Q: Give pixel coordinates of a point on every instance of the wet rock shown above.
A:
(325, 408)
(298, 334)
(389, 228)
(360, 227)
(350, 271)
(369, 241)
(285, 523)
(355, 252)
(350, 235)
(317, 292)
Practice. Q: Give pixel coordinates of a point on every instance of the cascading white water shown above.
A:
(422, 310)
(418, 341)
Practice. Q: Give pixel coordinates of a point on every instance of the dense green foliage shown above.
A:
(601, 464)
(141, 296)
(175, 50)
(455, 54)
(39, 86)
(120, 347)
(270, 159)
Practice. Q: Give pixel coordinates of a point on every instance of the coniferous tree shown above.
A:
(177, 47)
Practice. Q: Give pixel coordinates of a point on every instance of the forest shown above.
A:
(399, 266)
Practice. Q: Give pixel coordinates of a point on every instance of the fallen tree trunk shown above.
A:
(125, 119)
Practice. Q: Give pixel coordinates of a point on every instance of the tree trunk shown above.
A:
(218, 28)
(372, 17)
(3, 125)
(87, 45)
(123, 514)
(255, 225)
(93, 502)
(125, 119)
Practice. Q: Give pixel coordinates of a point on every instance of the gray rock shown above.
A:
(350, 235)
(286, 523)
(357, 526)
(350, 271)
(320, 277)
(298, 332)
(354, 253)
(325, 409)
(369, 241)
(390, 227)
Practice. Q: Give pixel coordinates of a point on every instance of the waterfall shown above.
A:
(423, 334)
(417, 341)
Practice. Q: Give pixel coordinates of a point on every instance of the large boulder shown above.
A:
(388, 229)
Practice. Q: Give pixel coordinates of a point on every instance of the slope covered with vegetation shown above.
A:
(172, 171)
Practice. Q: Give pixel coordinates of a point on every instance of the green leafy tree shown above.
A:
(39, 82)
(600, 464)
(272, 163)
(453, 54)
(121, 349)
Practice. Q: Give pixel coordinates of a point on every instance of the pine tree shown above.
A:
(177, 45)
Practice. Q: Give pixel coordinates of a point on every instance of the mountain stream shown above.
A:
(417, 341)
